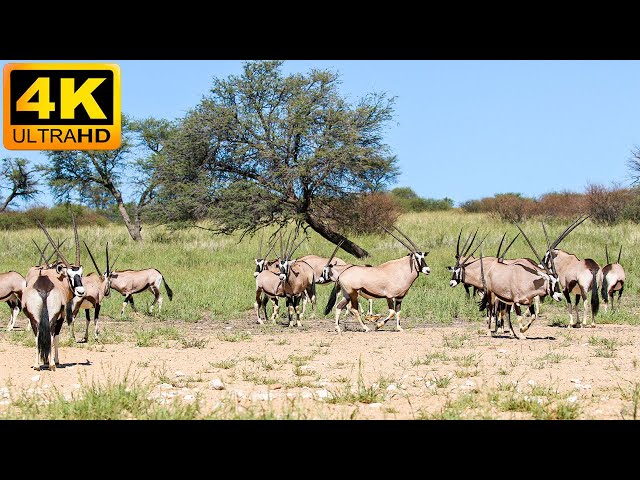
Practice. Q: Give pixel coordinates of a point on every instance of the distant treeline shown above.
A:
(606, 205)
(57, 216)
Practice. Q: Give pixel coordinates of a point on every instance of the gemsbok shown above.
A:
(467, 272)
(97, 287)
(517, 285)
(576, 276)
(48, 297)
(130, 282)
(12, 284)
(298, 279)
(390, 280)
(612, 280)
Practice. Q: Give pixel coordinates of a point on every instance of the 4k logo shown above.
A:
(61, 106)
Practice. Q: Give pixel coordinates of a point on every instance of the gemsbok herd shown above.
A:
(52, 292)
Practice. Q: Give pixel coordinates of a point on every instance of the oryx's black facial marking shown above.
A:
(261, 264)
(284, 268)
(326, 273)
(419, 258)
(456, 277)
(74, 277)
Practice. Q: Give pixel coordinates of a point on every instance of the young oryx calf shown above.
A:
(612, 280)
(47, 296)
(391, 280)
(97, 287)
(130, 282)
(12, 285)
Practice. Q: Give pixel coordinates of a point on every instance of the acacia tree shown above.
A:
(128, 170)
(17, 180)
(266, 148)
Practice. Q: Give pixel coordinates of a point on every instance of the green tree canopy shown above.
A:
(264, 147)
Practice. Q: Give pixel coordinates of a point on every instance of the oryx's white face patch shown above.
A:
(456, 277)
(260, 264)
(422, 264)
(326, 274)
(74, 276)
(284, 269)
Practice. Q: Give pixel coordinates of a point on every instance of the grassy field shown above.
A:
(211, 276)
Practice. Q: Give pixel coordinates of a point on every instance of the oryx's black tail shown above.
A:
(44, 330)
(604, 291)
(332, 299)
(595, 298)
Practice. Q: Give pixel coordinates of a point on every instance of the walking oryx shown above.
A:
(612, 280)
(12, 284)
(390, 280)
(129, 282)
(517, 285)
(48, 296)
(97, 287)
(298, 279)
(576, 276)
(332, 270)
(467, 271)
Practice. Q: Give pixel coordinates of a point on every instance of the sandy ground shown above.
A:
(426, 371)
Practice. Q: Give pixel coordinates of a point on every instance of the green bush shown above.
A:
(58, 216)
(409, 201)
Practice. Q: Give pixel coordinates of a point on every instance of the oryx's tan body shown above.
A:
(515, 284)
(131, 282)
(12, 284)
(613, 279)
(299, 284)
(268, 283)
(578, 277)
(96, 289)
(390, 280)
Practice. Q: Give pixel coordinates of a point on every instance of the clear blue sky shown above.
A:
(462, 129)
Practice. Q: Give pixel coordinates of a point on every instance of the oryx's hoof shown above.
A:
(366, 329)
(379, 325)
(52, 367)
(338, 331)
(521, 336)
(84, 340)
(399, 329)
(36, 368)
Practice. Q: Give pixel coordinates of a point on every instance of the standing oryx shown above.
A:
(48, 296)
(612, 280)
(298, 279)
(390, 280)
(12, 284)
(97, 287)
(129, 282)
(517, 285)
(576, 276)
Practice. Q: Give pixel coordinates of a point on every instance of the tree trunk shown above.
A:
(6, 203)
(335, 238)
(134, 230)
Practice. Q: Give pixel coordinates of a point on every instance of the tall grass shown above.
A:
(212, 276)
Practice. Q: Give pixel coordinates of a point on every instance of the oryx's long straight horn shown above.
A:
(411, 242)
(553, 265)
(568, 231)
(294, 250)
(606, 254)
(500, 246)
(98, 271)
(546, 236)
(53, 244)
(484, 283)
(266, 256)
(335, 250)
(43, 260)
(509, 246)
(404, 244)
(260, 245)
(54, 252)
(458, 245)
(106, 251)
(111, 268)
(466, 248)
(75, 236)
(530, 244)
(619, 254)
(474, 250)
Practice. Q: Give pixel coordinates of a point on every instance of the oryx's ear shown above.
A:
(59, 268)
(451, 269)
